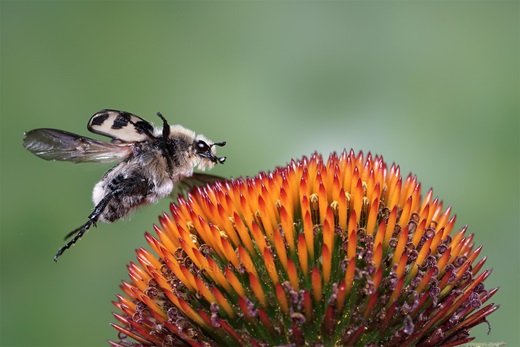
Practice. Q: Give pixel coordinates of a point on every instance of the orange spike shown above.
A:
(423, 253)
(270, 265)
(280, 248)
(467, 244)
(437, 213)
(327, 263)
(478, 266)
(401, 244)
(353, 181)
(334, 187)
(235, 282)
(348, 168)
(390, 226)
(349, 275)
(282, 299)
(474, 255)
(308, 230)
(153, 306)
(381, 172)
(396, 292)
(443, 219)
(170, 229)
(303, 255)
(425, 281)
(269, 218)
(323, 202)
(222, 302)
(190, 312)
(197, 211)
(227, 225)
(316, 284)
(257, 289)
(188, 247)
(370, 185)
(307, 305)
(328, 228)
(370, 305)
(202, 289)
(317, 181)
(139, 283)
(127, 289)
(436, 241)
(293, 274)
(147, 259)
(229, 252)
(395, 194)
(153, 242)
(218, 275)
(216, 238)
(401, 266)
(286, 199)
(165, 239)
(138, 272)
(426, 202)
(457, 242)
(191, 283)
(380, 234)
(449, 227)
(304, 185)
(372, 217)
(419, 232)
(246, 260)
(176, 269)
(378, 254)
(378, 276)
(434, 207)
(340, 301)
(258, 236)
(406, 213)
(243, 232)
(352, 239)
(357, 198)
(287, 224)
(342, 210)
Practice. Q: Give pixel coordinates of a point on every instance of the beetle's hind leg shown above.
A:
(92, 219)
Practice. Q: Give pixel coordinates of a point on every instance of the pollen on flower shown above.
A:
(342, 251)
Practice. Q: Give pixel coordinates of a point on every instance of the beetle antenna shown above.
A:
(166, 126)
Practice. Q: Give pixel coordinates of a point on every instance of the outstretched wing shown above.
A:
(120, 125)
(196, 180)
(52, 144)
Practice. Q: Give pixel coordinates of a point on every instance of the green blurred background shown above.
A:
(432, 86)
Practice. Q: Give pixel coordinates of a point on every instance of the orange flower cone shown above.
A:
(342, 252)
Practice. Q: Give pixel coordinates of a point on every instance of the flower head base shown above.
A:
(336, 252)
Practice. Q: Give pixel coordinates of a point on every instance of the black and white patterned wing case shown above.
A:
(120, 125)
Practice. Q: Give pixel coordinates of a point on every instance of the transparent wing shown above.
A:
(196, 180)
(120, 125)
(52, 144)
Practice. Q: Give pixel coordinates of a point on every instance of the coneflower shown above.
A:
(342, 252)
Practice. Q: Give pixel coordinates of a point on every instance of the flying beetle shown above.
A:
(151, 162)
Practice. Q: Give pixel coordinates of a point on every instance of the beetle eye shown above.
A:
(202, 146)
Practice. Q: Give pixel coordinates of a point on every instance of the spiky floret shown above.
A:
(336, 252)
